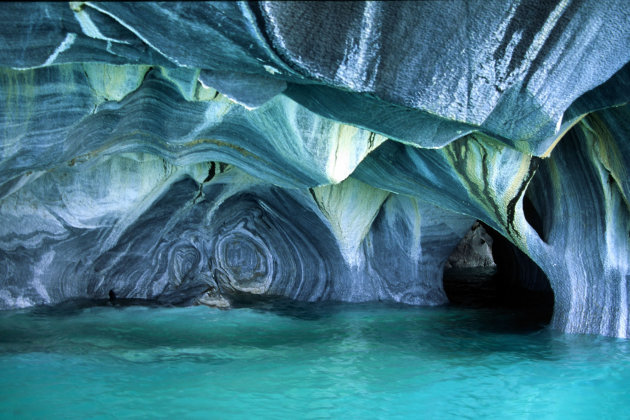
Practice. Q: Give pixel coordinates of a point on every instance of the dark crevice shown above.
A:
(211, 172)
(516, 283)
(538, 203)
(511, 207)
(310, 190)
(533, 217)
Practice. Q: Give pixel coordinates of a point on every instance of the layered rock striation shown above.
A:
(198, 152)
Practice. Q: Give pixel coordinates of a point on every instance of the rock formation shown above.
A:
(473, 251)
(195, 152)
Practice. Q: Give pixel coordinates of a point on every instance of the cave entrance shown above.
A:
(487, 271)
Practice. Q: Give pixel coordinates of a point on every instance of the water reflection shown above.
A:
(284, 357)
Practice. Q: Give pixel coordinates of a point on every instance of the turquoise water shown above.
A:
(282, 360)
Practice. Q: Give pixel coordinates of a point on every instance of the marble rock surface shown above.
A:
(202, 152)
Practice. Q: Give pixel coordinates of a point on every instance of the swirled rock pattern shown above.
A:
(204, 152)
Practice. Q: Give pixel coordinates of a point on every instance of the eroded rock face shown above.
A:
(199, 152)
(473, 251)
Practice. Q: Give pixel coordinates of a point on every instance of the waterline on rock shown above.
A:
(280, 358)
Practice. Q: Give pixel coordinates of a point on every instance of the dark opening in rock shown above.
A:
(506, 278)
(533, 217)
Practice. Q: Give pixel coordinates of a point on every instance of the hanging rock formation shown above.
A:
(198, 152)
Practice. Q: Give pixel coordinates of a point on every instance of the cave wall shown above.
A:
(188, 152)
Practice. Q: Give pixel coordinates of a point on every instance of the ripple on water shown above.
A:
(281, 358)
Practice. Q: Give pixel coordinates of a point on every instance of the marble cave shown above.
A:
(187, 153)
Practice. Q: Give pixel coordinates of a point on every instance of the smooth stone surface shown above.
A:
(190, 152)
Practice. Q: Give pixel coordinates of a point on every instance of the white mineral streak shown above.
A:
(617, 256)
(622, 328)
(134, 31)
(559, 124)
(247, 13)
(276, 29)
(350, 207)
(579, 290)
(361, 58)
(505, 79)
(537, 82)
(40, 271)
(271, 69)
(90, 29)
(492, 77)
(27, 222)
(22, 182)
(65, 44)
(206, 93)
(165, 175)
(87, 202)
(415, 220)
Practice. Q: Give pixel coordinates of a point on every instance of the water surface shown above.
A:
(287, 360)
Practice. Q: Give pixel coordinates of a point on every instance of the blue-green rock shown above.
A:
(205, 152)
